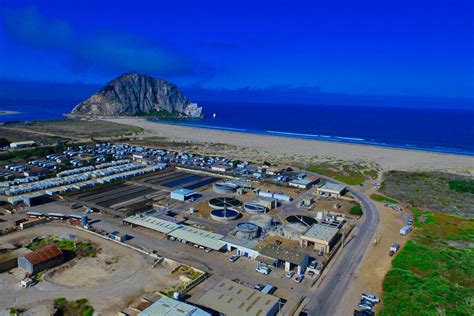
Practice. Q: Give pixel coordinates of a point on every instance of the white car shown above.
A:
(370, 297)
(263, 270)
(365, 306)
(290, 274)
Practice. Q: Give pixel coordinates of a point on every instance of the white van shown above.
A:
(405, 230)
(263, 270)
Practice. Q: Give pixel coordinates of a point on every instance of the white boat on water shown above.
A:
(214, 115)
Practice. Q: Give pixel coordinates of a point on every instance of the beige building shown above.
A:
(332, 189)
(234, 299)
(322, 236)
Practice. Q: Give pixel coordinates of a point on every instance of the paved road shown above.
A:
(326, 299)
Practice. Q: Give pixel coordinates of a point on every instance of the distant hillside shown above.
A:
(136, 94)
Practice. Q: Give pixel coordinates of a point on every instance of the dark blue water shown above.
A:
(34, 110)
(441, 130)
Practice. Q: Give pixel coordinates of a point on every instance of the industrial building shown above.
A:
(231, 298)
(302, 183)
(322, 236)
(275, 255)
(166, 306)
(332, 189)
(9, 259)
(41, 259)
(181, 194)
(179, 232)
(244, 247)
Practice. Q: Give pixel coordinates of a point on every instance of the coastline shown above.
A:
(5, 112)
(387, 158)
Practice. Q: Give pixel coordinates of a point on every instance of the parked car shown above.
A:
(259, 287)
(370, 297)
(394, 248)
(268, 289)
(405, 230)
(313, 264)
(208, 250)
(365, 306)
(299, 278)
(263, 270)
(234, 258)
(290, 274)
(311, 274)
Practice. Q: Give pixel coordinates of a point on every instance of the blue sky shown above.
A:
(416, 48)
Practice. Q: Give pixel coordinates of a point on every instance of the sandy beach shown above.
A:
(281, 148)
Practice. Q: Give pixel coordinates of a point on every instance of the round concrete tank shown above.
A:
(222, 202)
(247, 230)
(254, 208)
(224, 214)
(225, 187)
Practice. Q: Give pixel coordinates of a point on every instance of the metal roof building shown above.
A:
(181, 194)
(43, 258)
(234, 299)
(198, 236)
(181, 232)
(166, 306)
(159, 225)
(302, 183)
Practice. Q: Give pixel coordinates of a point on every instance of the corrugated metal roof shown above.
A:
(199, 236)
(170, 307)
(154, 223)
(43, 254)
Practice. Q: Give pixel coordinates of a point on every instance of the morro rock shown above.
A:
(136, 94)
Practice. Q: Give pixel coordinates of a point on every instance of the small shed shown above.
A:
(181, 194)
(41, 259)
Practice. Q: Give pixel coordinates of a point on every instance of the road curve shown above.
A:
(328, 297)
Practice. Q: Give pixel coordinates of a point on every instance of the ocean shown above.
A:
(438, 130)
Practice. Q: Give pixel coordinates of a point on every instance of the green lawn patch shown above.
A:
(381, 198)
(462, 186)
(434, 273)
(356, 210)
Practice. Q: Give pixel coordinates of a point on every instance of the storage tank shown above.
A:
(225, 187)
(247, 230)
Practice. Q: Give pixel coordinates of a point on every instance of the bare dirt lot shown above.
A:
(376, 264)
(113, 280)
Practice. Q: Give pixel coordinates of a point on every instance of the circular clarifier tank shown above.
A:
(224, 214)
(225, 187)
(223, 202)
(254, 208)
